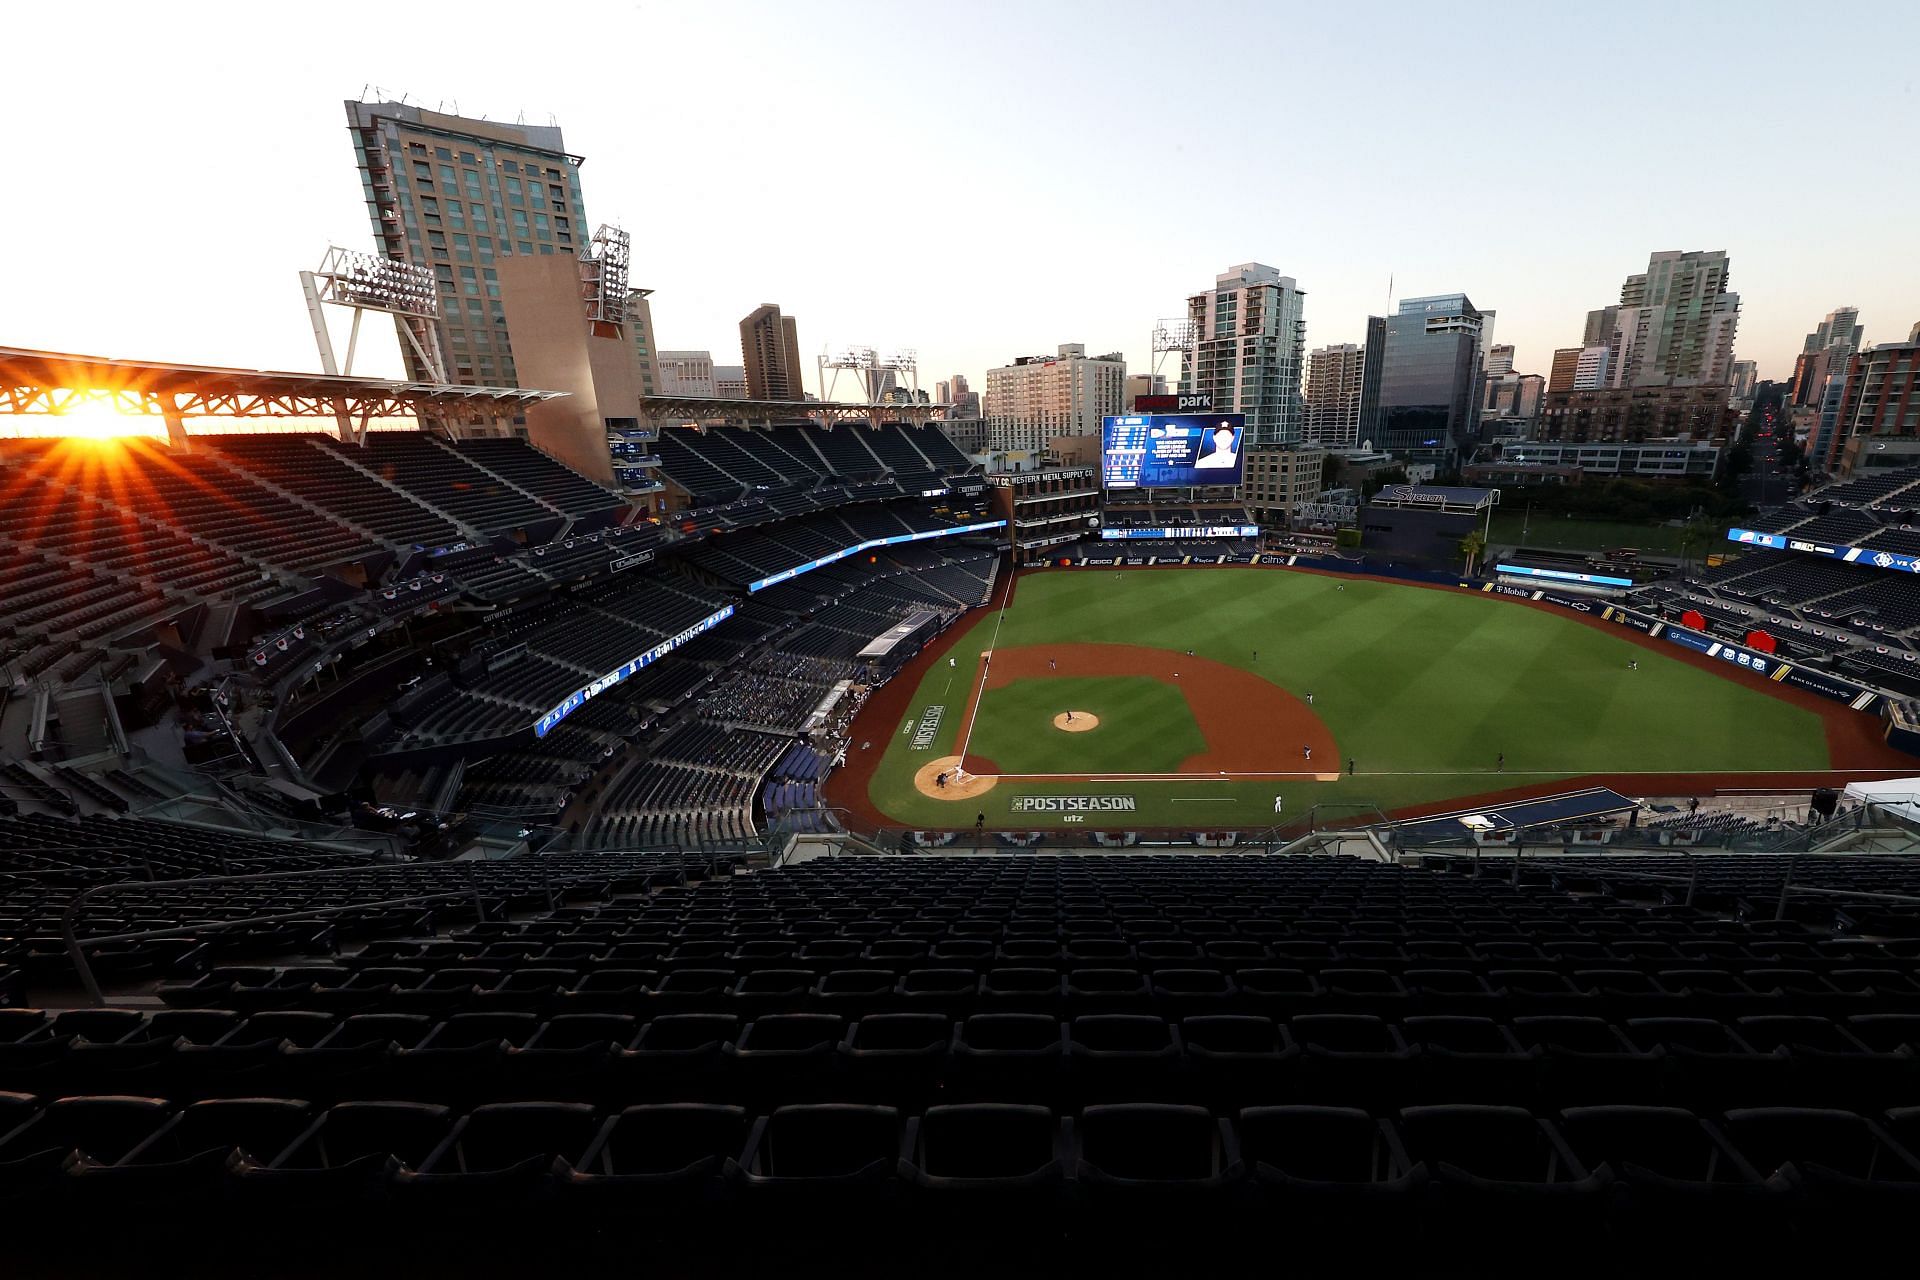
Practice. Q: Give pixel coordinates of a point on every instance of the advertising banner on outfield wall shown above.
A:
(1638, 621)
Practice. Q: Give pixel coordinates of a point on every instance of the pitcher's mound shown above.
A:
(926, 780)
(1081, 722)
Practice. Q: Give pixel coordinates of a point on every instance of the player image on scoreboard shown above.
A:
(1155, 451)
(1220, 449)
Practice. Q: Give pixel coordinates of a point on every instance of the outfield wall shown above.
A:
(1766, 665)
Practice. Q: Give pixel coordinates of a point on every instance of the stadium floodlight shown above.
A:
(365, 282)
(877, 376)
(603, 270)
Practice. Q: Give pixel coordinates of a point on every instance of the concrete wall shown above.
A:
(553, 351)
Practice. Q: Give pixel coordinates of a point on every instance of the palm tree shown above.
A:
(1471, 547)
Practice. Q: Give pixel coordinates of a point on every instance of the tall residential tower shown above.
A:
(1249, 341)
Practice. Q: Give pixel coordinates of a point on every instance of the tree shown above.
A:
(1471, 547)
(1381, 479)
(1329, 471)
(1695, 534)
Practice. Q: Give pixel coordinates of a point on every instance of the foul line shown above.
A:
(1569, 773)
(986, 669)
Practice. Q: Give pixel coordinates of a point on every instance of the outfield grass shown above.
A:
(1557, 533)
(1423, 689)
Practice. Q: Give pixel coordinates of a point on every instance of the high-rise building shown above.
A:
(1511, 395)
(1675, 323)
(943, 392)
(1634, 415)
(686, 373)
(1336, 378)
(770, 352)
(730, 382)
(1373, 362)
(966, 404)
(1840, 329)
(1250, 338)
(1499, 360)
(1566, 362)
(1591, 368)
(640, 330)
(1038, 397)
(1142, 384)
(1879, 410)
(460, 196)
(1600, 326)
(1430, 381)
(1746, 377)
(1825, 356)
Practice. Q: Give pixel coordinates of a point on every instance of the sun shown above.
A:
(95, 420)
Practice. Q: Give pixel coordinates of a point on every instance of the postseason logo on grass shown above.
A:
(929, 727)
(1074, 804)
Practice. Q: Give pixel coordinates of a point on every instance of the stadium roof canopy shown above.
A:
(1436, 497)
(734, 409)
(56, 382)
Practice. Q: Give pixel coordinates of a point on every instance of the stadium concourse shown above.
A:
(411, 851)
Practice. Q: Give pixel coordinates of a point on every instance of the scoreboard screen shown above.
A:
(1165, 451)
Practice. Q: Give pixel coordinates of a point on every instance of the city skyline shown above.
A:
(953, 270)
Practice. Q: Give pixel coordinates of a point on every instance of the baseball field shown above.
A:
(1195, 698)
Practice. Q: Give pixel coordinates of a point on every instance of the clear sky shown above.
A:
(985, 180)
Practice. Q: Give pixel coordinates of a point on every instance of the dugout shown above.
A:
(888, 651)
(1422, 525)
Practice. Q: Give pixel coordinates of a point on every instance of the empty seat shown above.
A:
(1500, 1164)
(676, 1152)
(183, 1155)
(823, 1154)
(1335, 1171)
(348, 1152)
(1113, 1056)
(100, 1129)
(1009, 1057)
(998, 1157)
(505, 1148)
(1469, 1059)
(1677, 1177)
(1353, 1059)
(1127, 1149)
(1852, 1180)
(897, 1057)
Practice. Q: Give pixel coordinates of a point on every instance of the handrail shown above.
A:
(77, 953)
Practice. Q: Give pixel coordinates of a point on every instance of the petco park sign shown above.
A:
(1074, 804)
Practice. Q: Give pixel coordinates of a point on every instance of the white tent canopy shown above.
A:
(1901, 795)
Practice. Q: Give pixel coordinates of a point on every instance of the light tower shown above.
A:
(368, 282)
(1172, 337)
(875, 375)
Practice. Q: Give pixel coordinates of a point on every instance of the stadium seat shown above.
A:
(1850, 1180)
(1679, 1183)
(1351, 1059)
(1331, 1174)
(1116, 1056)
(832, 1159)
(1500, 1165)
(502, 1152)
(1009, 1057)
(190, 1153)
(100, 1129)
(347, 1155)
(897, 1058)
(672, 1156)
